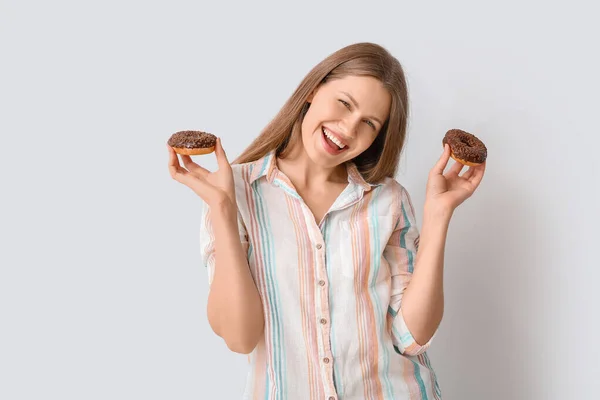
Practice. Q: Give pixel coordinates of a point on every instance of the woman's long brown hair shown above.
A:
(360, 59)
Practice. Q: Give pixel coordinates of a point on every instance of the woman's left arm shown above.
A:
(423, 300)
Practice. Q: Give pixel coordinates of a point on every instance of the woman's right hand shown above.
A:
(215, 188)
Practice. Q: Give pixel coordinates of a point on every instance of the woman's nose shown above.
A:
(349, 127)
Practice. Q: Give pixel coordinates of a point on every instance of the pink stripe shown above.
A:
(360, 234)
(307, 296)
(409, 377)
(259, 378)
(211, 257)
(259, 389)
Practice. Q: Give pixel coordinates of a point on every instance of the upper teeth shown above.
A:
(333, 138)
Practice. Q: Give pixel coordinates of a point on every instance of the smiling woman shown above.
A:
(311, 245)
(360, 97)
(335, 124)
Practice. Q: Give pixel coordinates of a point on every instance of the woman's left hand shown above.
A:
(446, 191)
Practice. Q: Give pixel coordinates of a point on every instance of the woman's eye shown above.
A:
(345, 103)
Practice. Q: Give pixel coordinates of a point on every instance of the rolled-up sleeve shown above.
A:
(400, 252)
(207, 240)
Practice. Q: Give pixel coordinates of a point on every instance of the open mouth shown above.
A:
(331, 143)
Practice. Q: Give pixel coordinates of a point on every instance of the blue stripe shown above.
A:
(398, 335)
(405, 339)
(392, 311)
(267, 382)
(265, 163)
(287, 189)
(403, 240)
(428, 363)
(419, 379)
(272, 295)
(376, 262)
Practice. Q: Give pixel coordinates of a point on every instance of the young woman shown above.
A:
(316, 266)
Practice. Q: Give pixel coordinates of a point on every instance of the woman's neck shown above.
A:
(304, 173)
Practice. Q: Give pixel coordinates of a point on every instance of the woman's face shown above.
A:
(347, 112)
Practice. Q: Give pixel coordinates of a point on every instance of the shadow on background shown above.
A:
(488, 340)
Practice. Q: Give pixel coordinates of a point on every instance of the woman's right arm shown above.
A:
(234, 306)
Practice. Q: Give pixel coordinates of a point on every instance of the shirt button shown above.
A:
(319, 245)
(322, 282)
(331, 398)
(323, 321)
(326, 360)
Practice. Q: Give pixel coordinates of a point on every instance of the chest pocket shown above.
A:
(361, 244)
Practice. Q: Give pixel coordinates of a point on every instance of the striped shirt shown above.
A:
(331, 294)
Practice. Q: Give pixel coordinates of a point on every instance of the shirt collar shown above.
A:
(264, 166)
(267, 167)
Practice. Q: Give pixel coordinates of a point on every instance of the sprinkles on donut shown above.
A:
(465, 147)
(192, 142)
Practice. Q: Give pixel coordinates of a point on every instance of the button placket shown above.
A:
(323, 321)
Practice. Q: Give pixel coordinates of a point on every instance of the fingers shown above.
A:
(183, 176)
(193, 167)
(455, 169)
(194, 182)
(477, 175)
(209, 193)
(474, 176)
(187, 161)
(174, 167)
(442, 162)
(221, 156)
(177, 172)
(468, 173)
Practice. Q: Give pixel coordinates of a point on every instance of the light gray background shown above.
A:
(101, 291)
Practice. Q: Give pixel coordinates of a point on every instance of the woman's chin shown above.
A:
(326, 160)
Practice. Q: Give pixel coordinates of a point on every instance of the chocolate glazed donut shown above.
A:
(192, 142)
(465, 147)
